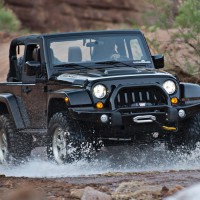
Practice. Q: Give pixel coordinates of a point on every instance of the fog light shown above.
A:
(181, 113)
(174, 100)
(104, 118)
(99, 105)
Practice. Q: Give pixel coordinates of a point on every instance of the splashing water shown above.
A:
(112, 159)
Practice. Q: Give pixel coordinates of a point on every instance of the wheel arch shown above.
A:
(56, 100)
(55, 105)
(8, 105)
(3, 108)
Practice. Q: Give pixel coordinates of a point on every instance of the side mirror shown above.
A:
(158, 61)
(32, 67)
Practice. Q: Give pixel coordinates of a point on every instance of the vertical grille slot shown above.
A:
(148, 97)
(133, 96)
(126, 98)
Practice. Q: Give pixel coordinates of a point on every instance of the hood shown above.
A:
(84, 77)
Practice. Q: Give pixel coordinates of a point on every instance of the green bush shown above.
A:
(8, 20)
(187, 23)
(189, 15)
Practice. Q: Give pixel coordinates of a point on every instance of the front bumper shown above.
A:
(156, 115)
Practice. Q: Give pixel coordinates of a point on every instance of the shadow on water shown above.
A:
(112, 159)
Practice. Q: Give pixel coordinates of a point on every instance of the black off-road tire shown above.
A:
(67, 135)
(192, 132)
(189, 135)
(19, 146)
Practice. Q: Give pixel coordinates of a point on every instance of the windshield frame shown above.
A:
(71, 36)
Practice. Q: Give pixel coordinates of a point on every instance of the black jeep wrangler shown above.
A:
(74, 92)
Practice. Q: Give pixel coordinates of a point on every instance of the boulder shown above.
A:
(89, 193)
(190, 193)
(92, 194)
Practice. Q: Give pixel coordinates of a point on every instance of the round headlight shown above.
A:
(169, 86)
(99, 91)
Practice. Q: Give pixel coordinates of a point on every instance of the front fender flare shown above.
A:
(190, 91)
(76, 97)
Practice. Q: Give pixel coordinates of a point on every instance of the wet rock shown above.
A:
(2, 175)
(129, 186)
(110, 174)
(76, 193)
(89, 193)
(190, 193)
(136, 190)
(104, 189)
(24, 194)
(165, 192)
(8, 184)
(92, 194)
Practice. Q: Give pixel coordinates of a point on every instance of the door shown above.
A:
(35, 101)
(34, 93)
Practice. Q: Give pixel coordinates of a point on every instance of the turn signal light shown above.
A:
(66, 99)
(99, 105)
(174, 100)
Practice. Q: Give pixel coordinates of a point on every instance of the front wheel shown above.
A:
(192, 132)
(189, 135)
(67, 142)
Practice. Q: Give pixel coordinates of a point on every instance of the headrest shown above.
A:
(36, 55)
(74, 54)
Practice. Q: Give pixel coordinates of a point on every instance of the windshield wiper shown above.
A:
(113, 62)
(73, 65)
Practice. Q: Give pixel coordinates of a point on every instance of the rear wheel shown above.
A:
(3, 146)
(12, 144)
(68, 142)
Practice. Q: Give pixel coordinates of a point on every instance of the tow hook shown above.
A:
(144, 119)
(169, 128)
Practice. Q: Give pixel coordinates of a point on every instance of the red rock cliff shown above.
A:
(69, 15)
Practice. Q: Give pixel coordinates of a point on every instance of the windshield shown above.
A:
(98, 48)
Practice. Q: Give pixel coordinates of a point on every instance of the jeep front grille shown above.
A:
(140, 96)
